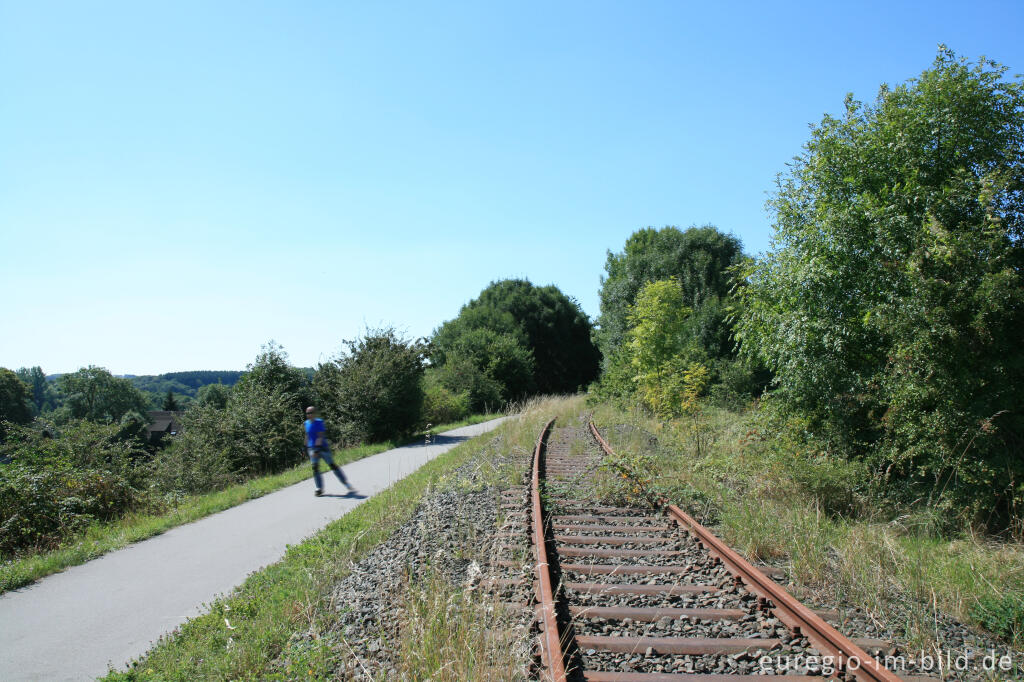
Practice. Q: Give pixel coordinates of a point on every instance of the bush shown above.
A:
(77, 445)
(463, 377)
(271, 373)
(54, 485)
(199, 458)
(259, 432)
(499, 357)
(264, 431)
(372, 392)
(1002, 615)
(441, 405)
(40, 507)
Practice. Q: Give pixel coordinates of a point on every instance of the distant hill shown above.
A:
(184, 385)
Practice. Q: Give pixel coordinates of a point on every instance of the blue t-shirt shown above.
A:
(314, 428)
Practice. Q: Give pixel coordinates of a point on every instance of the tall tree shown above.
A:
(892, 305)
(15, 398)
(170, 403)
(42, 393)
(94, 394)
(543, 320)
(698, 259)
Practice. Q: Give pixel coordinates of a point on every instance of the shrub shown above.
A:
(1003, 615)
(55, 484)
(373, 391)
(271, 373)
(259, 432)
(463, 377)
(199, 458)
(40, 507)
(441, 405)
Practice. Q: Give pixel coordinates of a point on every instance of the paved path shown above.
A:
(73, 625)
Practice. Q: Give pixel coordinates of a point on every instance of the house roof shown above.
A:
(161, 421)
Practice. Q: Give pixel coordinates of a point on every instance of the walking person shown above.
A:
(317, 448)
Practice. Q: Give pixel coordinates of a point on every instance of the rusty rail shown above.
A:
(851, 660)
(551, 644)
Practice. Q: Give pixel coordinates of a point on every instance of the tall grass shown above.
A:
(824, 518)
(452, 634)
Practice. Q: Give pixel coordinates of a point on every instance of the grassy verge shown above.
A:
(841, 541)
(288, 607)
(100, 538)
(452, 635)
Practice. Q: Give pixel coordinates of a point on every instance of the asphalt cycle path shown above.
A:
(74, 625)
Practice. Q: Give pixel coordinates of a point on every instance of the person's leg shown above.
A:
(326, 454)
(314, 458)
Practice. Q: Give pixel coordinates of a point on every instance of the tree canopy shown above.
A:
(15, 398)
(94, 394)
(891, 307)
(544, 322)
(44, 397)
(698, 259)
(271, 372)
(372, 391)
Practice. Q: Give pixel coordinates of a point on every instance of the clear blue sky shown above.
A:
(182, 181)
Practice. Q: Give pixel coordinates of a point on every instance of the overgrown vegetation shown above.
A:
(97, 537)
(892, 306)
(374, 390)
(888, 312)
(53, 486)
(89, 464)
(453, 635)
(840, 536)
(665, 306)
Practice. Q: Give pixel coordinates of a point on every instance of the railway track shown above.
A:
(627, 594)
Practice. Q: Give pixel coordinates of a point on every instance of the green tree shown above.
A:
(543, 321)
(499, 357)
(43, 396)
(94, 394)
(892, 305)
(698, 258)
(213, 395)
(372, 391)
(15, 398)
(169, 402)
(272, 373)
(667, 380)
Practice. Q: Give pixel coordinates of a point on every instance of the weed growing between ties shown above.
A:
(840, 537)
(283, 622)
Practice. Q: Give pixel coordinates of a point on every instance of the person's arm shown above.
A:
(319, 442)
